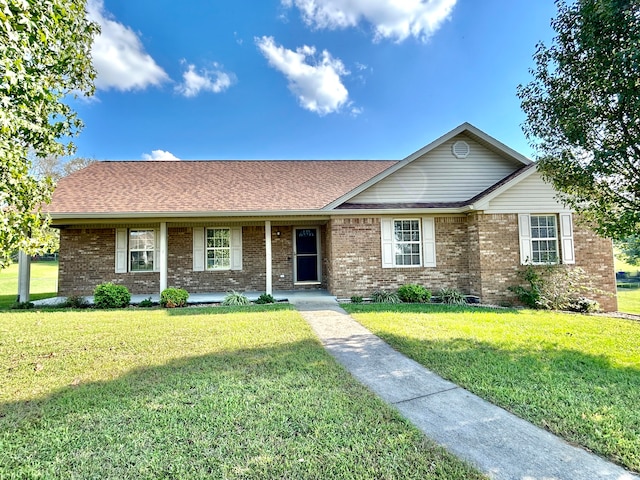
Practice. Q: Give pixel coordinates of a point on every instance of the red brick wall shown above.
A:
(477, 254)
(87, 259)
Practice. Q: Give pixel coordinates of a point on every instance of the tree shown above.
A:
(630, 249)
(44, 56)
(55, 168)
(583, 112)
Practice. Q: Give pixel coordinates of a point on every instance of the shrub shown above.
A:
(555, 287)
(146, 303)
(173, 297)
(412, 293)
(356, 299)
(109, 295)
(382, 296)
(265, 298)
(452, 296)
(233, 299)
(75, 301)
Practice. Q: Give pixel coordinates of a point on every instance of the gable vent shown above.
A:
(461, 149)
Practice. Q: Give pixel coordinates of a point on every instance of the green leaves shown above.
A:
(583, 111)
(44, 56)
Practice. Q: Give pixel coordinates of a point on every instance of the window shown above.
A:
(544, 239)
(141, 250)
(406, 242)
(218, 248)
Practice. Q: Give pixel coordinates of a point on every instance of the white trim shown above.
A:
(566, 237)
(524, 230)
(428, 242)
(122, 253)
(268, 259)
(198, 249)
(163, 256)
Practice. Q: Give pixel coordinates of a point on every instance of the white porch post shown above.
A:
(163, 256)
(24, 276)
(267, 238)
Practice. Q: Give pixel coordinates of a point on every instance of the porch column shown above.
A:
(24, 276)
(267, 238)
(163, 256)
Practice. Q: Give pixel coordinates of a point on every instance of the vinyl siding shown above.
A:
(530, 195)
(438, 176)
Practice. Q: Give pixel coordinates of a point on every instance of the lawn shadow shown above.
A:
(425, 308)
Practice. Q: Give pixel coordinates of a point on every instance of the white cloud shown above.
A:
(159, 155)
(215, 81)
(316, 82)
(119, 56)
(394, 19)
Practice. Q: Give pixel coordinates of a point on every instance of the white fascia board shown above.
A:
(464, 128)
(400, 211)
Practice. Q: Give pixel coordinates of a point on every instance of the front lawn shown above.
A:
(629, 300)
(193, 393)
(575, 375)
(44, 282)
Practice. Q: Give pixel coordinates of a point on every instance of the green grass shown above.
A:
(575, 375)
(193, 393)
(629, 300)
(44, 281)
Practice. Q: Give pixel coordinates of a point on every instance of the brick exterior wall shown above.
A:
(87, 259)
(477, 254)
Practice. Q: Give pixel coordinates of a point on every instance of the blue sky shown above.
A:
(305, 79)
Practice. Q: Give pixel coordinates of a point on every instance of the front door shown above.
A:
(306, 253)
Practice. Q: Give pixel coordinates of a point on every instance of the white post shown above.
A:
(24, 276)
(267, 238)
(164, 242)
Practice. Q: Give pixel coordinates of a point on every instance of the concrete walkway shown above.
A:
(498, 443)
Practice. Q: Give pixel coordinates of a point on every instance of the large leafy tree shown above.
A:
(44, 57)
(583, 111)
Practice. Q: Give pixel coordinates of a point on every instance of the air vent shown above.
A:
(460, 149)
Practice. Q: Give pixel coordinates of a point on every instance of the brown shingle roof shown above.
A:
(140, 187)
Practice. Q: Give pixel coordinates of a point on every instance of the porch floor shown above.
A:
(292, 296)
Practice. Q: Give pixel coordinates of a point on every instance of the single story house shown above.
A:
(465, 211)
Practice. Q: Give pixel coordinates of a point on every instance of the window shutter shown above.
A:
(198, 249)
(429, 241)
(156, 251)
(566, 235)
(386, 227)
(121, 250)
(236, 248)
(524, 227)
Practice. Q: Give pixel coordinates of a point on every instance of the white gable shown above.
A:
(440, 176)
(532, 194)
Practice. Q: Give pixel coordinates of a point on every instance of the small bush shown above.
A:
(75, 301)
(22, 306)
(356, 299)
(583, 305)
(234, 299)
(452, 296)
(173, 297)
(382, 296)
(109, 295)
(412, 293)
(146, 303)
(265, 298)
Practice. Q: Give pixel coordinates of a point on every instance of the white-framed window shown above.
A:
(408, 242)
(546, 238)
(137, 250)
(218, 247)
